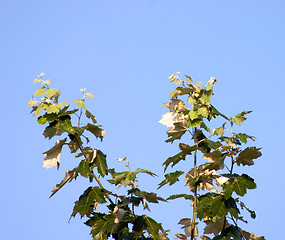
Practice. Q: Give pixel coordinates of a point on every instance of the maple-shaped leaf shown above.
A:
(245, 157)
(101, 163)
(171, 178)
(69, 176)
(177, 131)
(123, 178)
(52, 156)
(100, 229)
(243, 137)
(239, 118)
(239, 185)
(97, 131)
(174, 160)
(176, 105)
(211, 205)
(87, 199)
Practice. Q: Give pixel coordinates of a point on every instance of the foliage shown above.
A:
(213, 187)
(119, 220)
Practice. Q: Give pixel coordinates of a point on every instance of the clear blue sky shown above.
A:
(123, 52)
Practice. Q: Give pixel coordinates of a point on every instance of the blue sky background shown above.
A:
(123, 52)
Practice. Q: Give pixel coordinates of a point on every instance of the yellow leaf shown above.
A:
(88, 95)
(32, 103)
(47, 82)
(37, 80)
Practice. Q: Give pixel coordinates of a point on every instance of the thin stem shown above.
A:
(195, 193)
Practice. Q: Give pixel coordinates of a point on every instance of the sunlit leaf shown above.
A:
(39, 91)
(79, 103)
(32, 102)
(88, 95)
(238, 119)
(50, 92)
(52, 156)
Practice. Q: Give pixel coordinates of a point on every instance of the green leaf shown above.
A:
(139, 170)
(80, 103)
(239, 185)
(152, 226)
(87, 199)
(243, 137)
(203, 125)
(97, 131)
(65, 124)
(186, 149)
(123, 178)
(99, 230)
(174, 160)
(83, 168)
(39, 91)
(245, 157)
(69, 176)
(214, 112)
(206, 95)
(211, 205)
(90, 116)
(139, 225)
(177, 131)
(101, 164)
(50, 92)
(203, 111)
(42, 120)
(195, 122)
(51, 131)
(171, 178)
(51, 108)
(238, 119)
(193, 114)
(152, 197)
(185, 196)
(39, 109)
